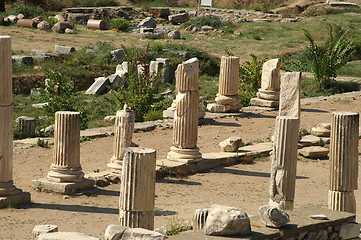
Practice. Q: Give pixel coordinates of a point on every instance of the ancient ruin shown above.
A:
(227, 99)
(137, 188)
(290, 94)
(123, 132)
(268, 94)
(185, 130)
(343, 161)
(9, 194)
(284, 162)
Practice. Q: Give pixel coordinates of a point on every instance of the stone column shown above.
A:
(9, 194)
(137, 189)
(343, 161)
(284, 162)
(123, 133)
(290, 94)
(227, 99)
(268, 94)
(65, 175)
(185, 127)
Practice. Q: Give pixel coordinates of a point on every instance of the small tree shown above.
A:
(326, 59)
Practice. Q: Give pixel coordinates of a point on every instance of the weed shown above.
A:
(256, 37)
(177, 226)
(153, 115)
(303, 132)
(167, 171)
(42, 143)
(84, 139)
(28, 11)
(120, 24)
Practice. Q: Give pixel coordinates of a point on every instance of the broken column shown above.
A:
(227, 99)
(268, 94)
(137, 189)
(123, 133)
(185, 127)
(284, 162)
(9, 194)
(65, 175)
(290, 94)
(343, 161)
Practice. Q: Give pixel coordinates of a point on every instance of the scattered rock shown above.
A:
(140, 233)
(199, 219)
(63, 49)
(207, 28)
(174, 35)
(148, 22)
(319, 217)
(22, 59)
(227, 221)
(117, 54)
(99, 86)
(20, 16)
(26, 23)
(39, 229)
(314, 152)
(49, 130)
(65, 235)
(44, 25)
(273, 216)
(114, 232)
(231, 144)
(69, 31)
(160, 12)
(321, 130)
(60, 27)
(12, 18)
(178, 18)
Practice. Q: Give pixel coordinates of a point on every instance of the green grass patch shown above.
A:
(351, 69)
(309, 89)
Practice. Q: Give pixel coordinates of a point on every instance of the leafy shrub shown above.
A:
(29, 11)
(325, 60)
(120, 24)
(250, 79)
(60, 95)
(209, 20)
(153, 115)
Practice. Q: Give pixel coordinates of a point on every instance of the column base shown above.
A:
(16, 200)
(268, 94)
(135, 219)
(44, 185)
(264, 103)
(115, 166)
(186, 155)
(342, 201)
(65, 174)
(223, 108)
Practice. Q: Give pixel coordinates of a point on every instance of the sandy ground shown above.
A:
(244, 185)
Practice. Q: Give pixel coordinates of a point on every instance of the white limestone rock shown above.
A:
(148, 22)
(114, 232)
(231, 144)
(273, 216)
(174, 35)
(39, 229)
(314, 152)
(141, 234)
(321, 130)
(65, 236)
(227, 221)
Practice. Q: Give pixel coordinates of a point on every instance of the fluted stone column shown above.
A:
(284, 162)
(185, 127)
(137, 189)
(227, 99)
(9, 194)
(268, 94)
(343, 161)
(123, 133)
(290, 94)
(65, 175)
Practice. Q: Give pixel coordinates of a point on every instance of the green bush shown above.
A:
(250, 79)
(29, 11)
(153, 115)
(120, 24)
(326, 59)
(209, 20)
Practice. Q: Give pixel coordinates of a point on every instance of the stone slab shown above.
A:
(45, 185)
(300, 222)
(15, 200)
(264, 103)
(99, 86)
(65, 236)
(314, 152)
(310, 140)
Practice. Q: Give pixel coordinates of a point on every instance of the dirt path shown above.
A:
(243, 186)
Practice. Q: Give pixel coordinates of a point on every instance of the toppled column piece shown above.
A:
(290, 94)
(199, 219)
(227, 99)
(137, 189)
(231, 144)
(123, 133)
(321, 130)
(185, 127)
(284, 162)
(343, 161)
(26, 126)
(268, 94)
(65, 175)
(9, 194)
(273, 216)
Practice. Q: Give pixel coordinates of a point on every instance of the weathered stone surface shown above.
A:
(69, 31)
(114, 232)
(223, 108)
(231, 144)
(99, 86)
(185, 128)
(160, 12)
(199, 219)
(12, 18)
(343, 161)
(22, 59)
(314, 152)
(178, 18)
(61, 26)
(44, 25)
(148, 22)
(26, 125)
(63, 49)
(138, 173)
(264, 103)
(350, 230)
(273, 216)
(310, 140)
(284, 162)
(290, 94)
(116, 81)
(65, 236)
(122, 68)
(141, 234)
(227, 221)
(26, 23)
(39, 229)
(96, 24)
(117, 54)
(174, 34)
(321, 130)
(227, 99)
(228, 77)
(45, 185)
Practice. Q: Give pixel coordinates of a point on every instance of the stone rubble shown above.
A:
(273, 216)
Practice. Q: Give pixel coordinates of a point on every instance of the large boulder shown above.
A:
(227, 221)
(148, 22)
(178, 18)
(44, 25)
